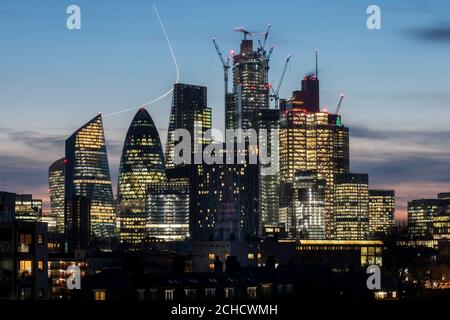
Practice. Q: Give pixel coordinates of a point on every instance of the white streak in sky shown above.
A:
(176, 67)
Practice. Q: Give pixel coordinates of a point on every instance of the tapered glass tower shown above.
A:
(142, 163)
(87, 175)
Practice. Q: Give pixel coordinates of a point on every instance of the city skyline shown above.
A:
(385, 139)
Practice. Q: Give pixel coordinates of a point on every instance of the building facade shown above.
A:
(87, 175)
(352, 206)
(23, 261)
(420, 216)
(167, 211)
(311, 139)
(381, 212)
(7, 206)
(56, 185)
(306, 213)
(141, 164)
(27, 208)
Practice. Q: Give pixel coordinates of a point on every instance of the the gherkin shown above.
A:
(142, 162)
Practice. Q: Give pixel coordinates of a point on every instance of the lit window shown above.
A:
(211, 266)
(250, 256)
(169, 294)
(41, 265)
(25, 268)
(211, 256)
(40, 238)
(100, 295)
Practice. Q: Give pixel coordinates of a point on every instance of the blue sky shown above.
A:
(396, 80)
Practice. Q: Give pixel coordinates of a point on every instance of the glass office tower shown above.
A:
(56, 174)
(87, 175)
(142, 163)
(351, 198)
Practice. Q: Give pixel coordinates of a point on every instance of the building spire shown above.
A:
(317, 65)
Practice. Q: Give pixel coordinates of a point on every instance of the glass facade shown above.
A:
(190, 112)
(167, 208)
(27, 208)
(420, 216)
(312, 141)
(87, 175)
(142, 163)
(56, 177)
(381, 211)
(269, 178)
(352, 206)
(306, 218)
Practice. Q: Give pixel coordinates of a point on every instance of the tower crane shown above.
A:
(248, 33)
(275, 92)
(339, 104)
(225, 64)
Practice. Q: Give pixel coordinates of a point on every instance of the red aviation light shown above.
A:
(66, 161)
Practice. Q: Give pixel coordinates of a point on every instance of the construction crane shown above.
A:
(225, 64)
(248, 33)
(275, 92)
(266, 35)
(339, 104)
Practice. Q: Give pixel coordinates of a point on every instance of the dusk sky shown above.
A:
(396, 80)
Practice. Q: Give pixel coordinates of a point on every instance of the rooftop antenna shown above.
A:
(317, 66)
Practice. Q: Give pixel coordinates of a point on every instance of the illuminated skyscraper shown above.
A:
(189, 112)
(267, 122)
(246, 109)
(87, 175)
(142, 163)
(311, 139)
(306, 213)
(56, 174)
(27, 208)
(351, 205)
(250, 84)
(167, 208)
(381, 211)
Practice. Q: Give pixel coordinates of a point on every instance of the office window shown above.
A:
(25, 241)
(251, 292)
(41, 265)
(168, 294)
(211, 256)
(25, 268)
(229, 293)
(100, 295)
